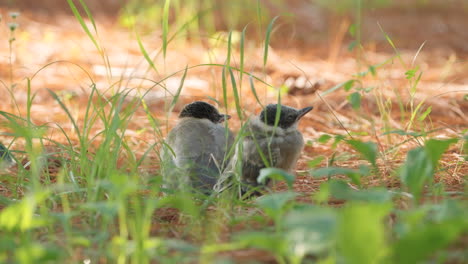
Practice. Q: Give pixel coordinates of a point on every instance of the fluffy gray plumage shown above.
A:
(196, 151)
(281, 143)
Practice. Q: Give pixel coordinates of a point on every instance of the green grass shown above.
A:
(100, 208)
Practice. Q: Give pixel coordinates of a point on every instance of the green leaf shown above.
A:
(421, 242)
(241, 54)
(416, 171)
(348, 85)
(183, 202)
(267, 40)
(145, 54)
(263, 240)
(324, 138)
(237, 99)
(338, 139)
(355, 100)
(315, 162)
(275, 174)
(368, 150)
(354, 175)
(273, 204)
(165, 26)
(361, 233)
(411, 73)
(325, 172)
(435, 148)
(373, 70)
(425, 114)
(20, 216)
(82, 22)
(334, 88)
(309, 230)
(352, 45)
(33, 252)
(352, 30)
(341, 190)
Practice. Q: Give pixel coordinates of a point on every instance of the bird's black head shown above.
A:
(288, 116)
(199, 109)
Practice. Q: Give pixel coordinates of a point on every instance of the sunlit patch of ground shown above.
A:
(56, 54)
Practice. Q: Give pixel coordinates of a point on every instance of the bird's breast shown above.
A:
(290, 147)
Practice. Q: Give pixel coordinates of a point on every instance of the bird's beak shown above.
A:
(304, 111)
(224, 118)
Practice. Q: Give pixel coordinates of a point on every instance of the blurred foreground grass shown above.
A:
(85, 197)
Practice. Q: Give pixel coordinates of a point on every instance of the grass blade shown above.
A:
(236, 95)
(267, 40)
(83, 24)
(165, 26)
(145, 54)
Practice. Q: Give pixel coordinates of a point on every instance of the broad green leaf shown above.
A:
(33, 252)
(325, 172)
(348, 85)
(341, 190)
(354, 175)
(181, 201)
(424, 240)
(368, 150)
(323, 193)
(435, 148)
(361, 233)
(309, 230)
(269, 241)
(273, 204)
(276, 174)
(324, 138)
(416, 171)
(355, 100)
(315, 162)
(21, 216)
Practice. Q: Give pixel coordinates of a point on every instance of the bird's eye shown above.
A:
(290, 118)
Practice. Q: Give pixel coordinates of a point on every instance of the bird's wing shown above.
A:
(199, 150)
(249, 158)
(256, 151)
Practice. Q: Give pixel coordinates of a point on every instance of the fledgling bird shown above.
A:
(197, 150)
(281, 144)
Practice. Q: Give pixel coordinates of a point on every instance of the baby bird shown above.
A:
(196, 149)
(280, 144)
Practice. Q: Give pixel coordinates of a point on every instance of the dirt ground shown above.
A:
(53, 51)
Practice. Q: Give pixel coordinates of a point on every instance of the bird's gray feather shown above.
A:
(279, 147)
(199, 148)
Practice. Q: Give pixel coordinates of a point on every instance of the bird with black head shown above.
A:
(274, 135)
(195, 151)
